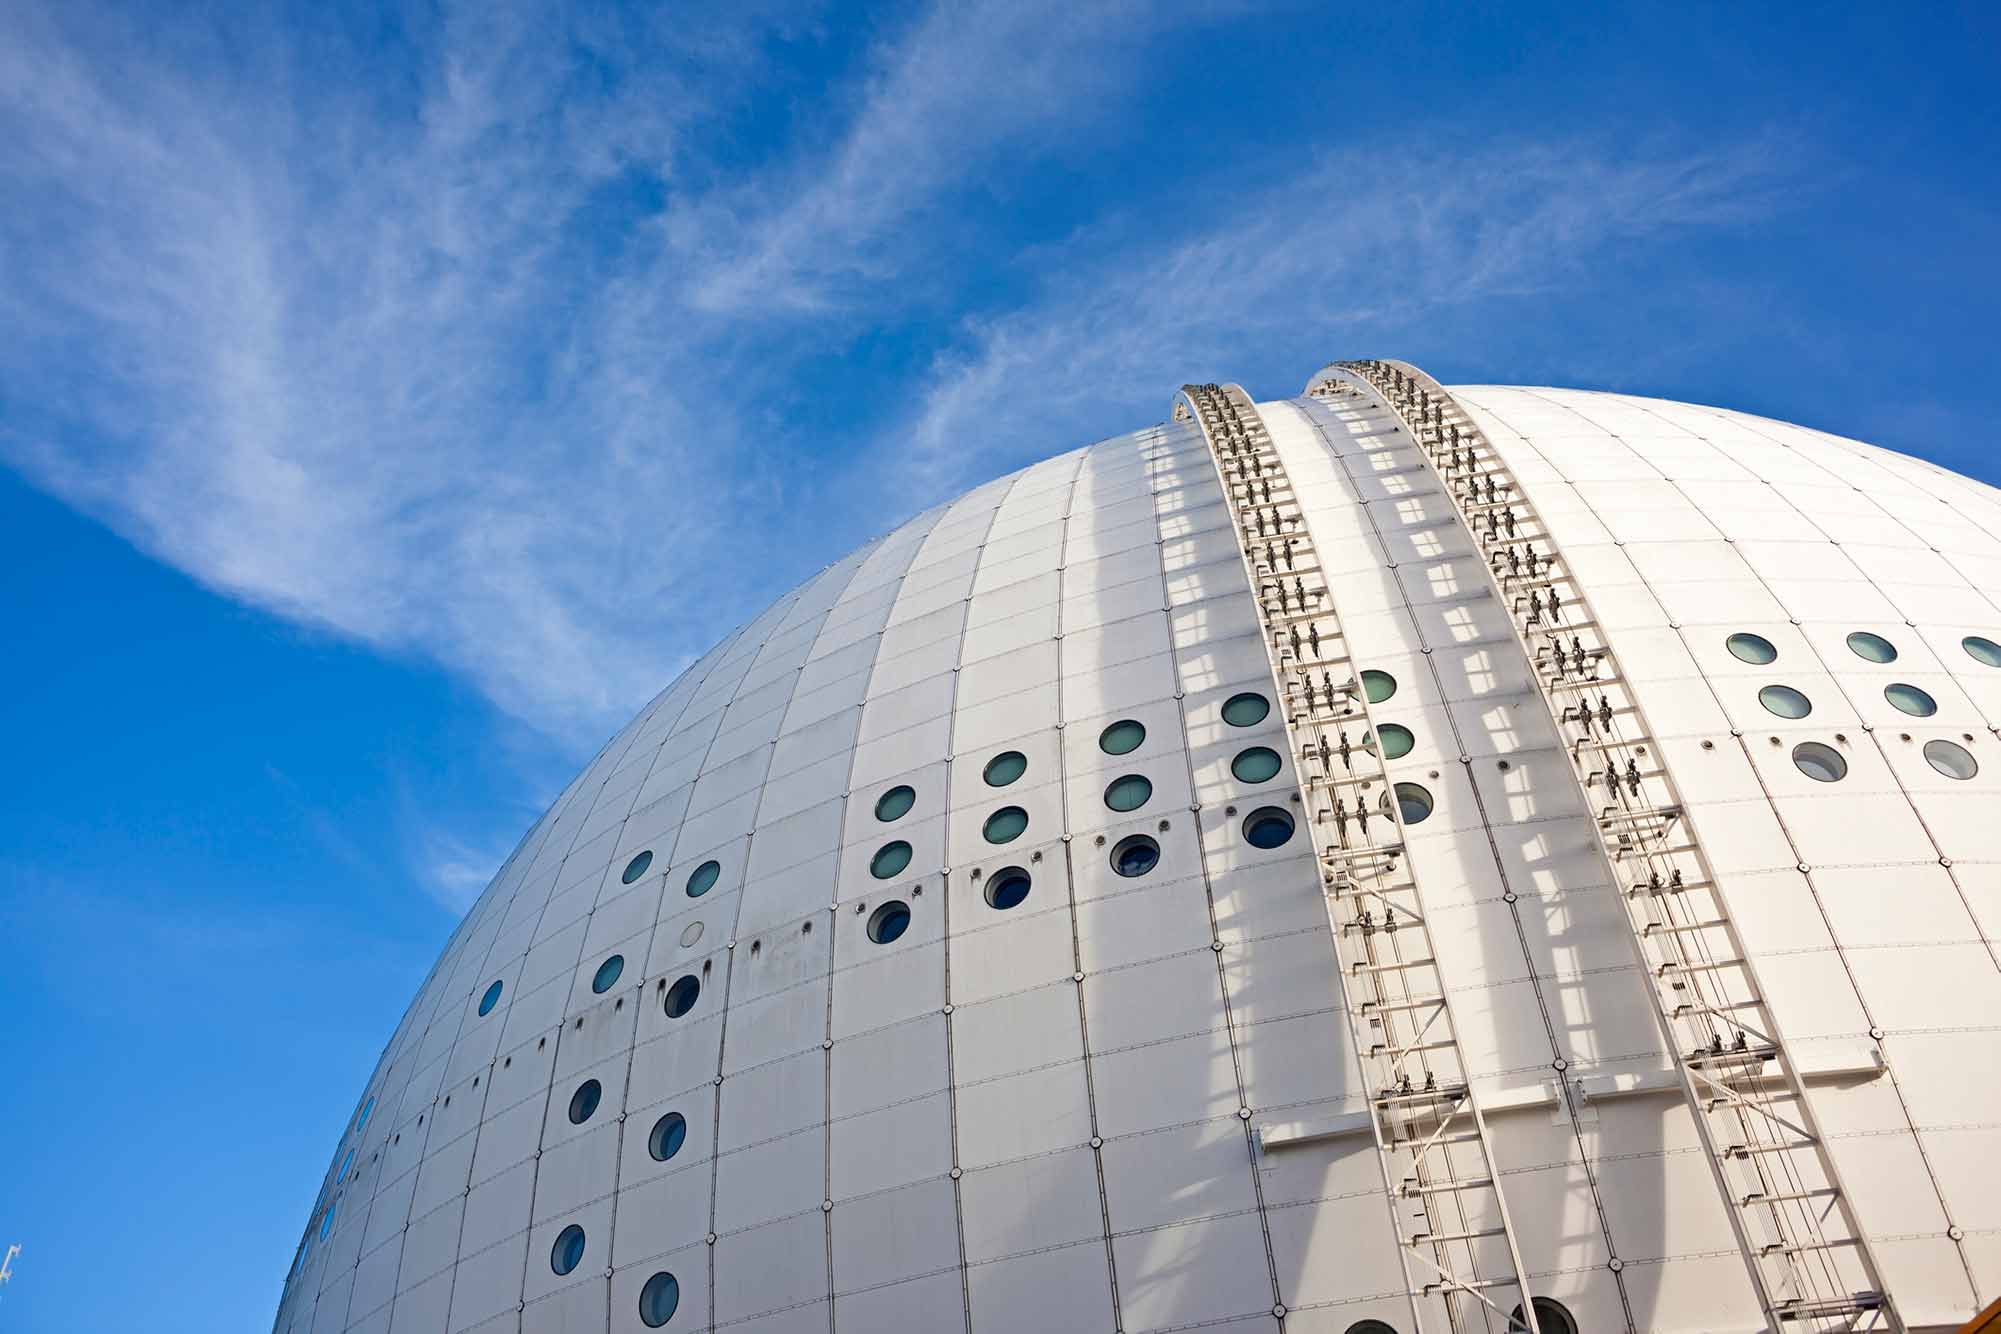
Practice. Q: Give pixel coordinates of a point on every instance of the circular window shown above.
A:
(1004, 768)
(889, 921)
(367, 1109)
(1414, 802)
(1128, 793)
(1246, 710)
(1007, 888)
(1005, 825)
(1122, 737)
(895, 803)
(1551, 1316)
(568, 1252)
(584, 1102)
(704, 879)
(1257, 765)
(345, 1163)
(1951, 759)
(1135, 854)
(1873, 647)
(690, 933)
(637, 866)
(1821, 763)
(1378, 686)
(1396, 738)
(669, 1133)
(1983, 651)
(659, 1299)
(1267, 827)
(1371, 1327)
(681, 996)
(1910, 699)
(1754, 649)
(889, 860)
(607, 974)
(326, 1220)
(490, 999)
(1785, 701)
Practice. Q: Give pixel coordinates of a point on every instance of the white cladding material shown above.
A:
(1128, 1101)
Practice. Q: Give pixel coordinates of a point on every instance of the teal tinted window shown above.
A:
(681, 996)
(607, 974)
(1873, 647)
(1259, 764)
(1785, 702)
(584, 1102)
(490, 999)
(637, 867)
(704, 879)
(1005, 825)
(1910, 699)
(1122, 737)
(669, 1133)
(1950, 759)
(1006, 888)
(1396, 740)
(568, 1252)
(1378, 686)
(1004, 768)
(1246, 710)
(1136, 854)
(895, 803)
(889, 921)
(659, 1299)
(1414, 802)
(1983, 651)
(889, 860)
(1128, 793)
(1267, 827)
(1754, 649)
(1823, 764)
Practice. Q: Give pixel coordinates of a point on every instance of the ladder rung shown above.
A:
(1408, 1188)
(1441, 1238)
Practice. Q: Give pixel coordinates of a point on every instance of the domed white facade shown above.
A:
(845, 1075)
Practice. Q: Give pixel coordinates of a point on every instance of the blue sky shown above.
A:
(392, 399)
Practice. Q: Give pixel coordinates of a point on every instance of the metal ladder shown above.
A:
(1809, 1260)
(1461, 1265)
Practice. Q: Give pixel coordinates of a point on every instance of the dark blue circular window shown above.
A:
(1268, 827)
(669, 1133)
(584, 1102)
(607, 974)
(568, 1252)
(1135, 854)
(637, 867)
(490, 999)
(1007, 888)
(704, 879)
(889, 921)
(681, 996)
(659, 1299)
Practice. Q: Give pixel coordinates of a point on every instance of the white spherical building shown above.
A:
(1386, 860)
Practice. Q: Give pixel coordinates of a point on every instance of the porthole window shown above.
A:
(637, 867)
(1246, 710)
(568, 1252)
(1551, 1316)
(345, 1163)
(1259, 764)
(1754, 649)
(1135, 854)
(703, 878)
(1873, 647)
(1122, 737)
(1414, 802)
(895, 803)
(1005, 825)
(1128, 793)
(1268, 827)
(1909, 699)
(1983, 651)
(1371, 1327)
(669, 1133)
(326, 1221)
(681, 996)
(1378, 686)
(1004, 768)
(1785, 701)
(889, 860)
(1396, 740)
(889, 921)
(368, 1108)
(1821, 763)
(1007, 888)
(1951, 759)
(607, 974)
(584, 1102)
(659, 1299)
(490, 999)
